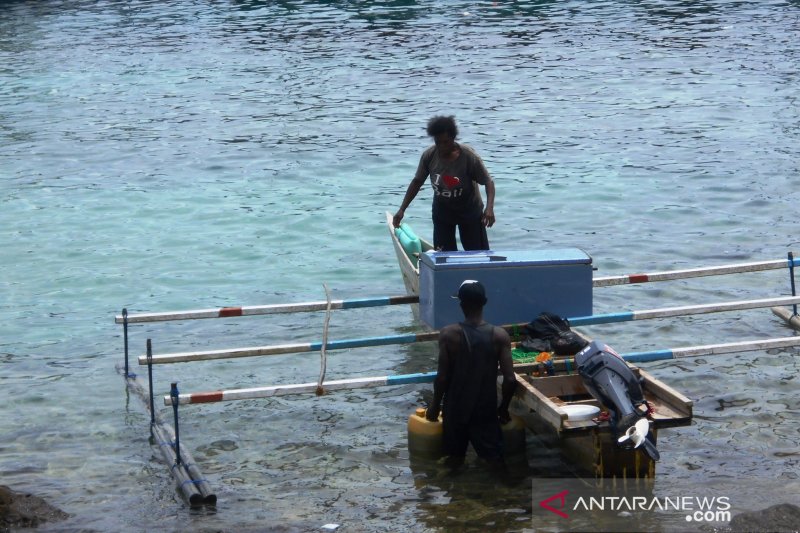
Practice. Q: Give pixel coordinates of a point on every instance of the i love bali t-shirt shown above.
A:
(453, 182)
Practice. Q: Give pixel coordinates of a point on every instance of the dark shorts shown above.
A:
(485, 437)
(470, 228)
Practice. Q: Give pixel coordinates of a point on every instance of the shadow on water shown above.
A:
(473, 496)
(477, 495)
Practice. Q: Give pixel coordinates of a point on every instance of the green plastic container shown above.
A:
(411, 244)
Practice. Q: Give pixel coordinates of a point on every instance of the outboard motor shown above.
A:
(611, 381)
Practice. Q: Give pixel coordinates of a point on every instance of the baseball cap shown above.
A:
(471, 291)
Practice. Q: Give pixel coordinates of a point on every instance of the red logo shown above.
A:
(451, 181)
(562, 496)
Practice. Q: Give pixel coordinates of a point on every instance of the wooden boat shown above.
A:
(589, 445)
(408, 269)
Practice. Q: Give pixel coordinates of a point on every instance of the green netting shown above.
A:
(520, 356)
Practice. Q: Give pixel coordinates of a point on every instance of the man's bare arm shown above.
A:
(442, 373)
(507, 369)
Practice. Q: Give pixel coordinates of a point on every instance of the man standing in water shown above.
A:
(469, 354)
(455, 170)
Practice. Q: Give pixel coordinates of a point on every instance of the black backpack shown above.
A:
(555, 331)
(546, 326)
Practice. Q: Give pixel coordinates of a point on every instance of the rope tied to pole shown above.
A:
(323, 356)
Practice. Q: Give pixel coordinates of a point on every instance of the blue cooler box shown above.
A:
(519, 285)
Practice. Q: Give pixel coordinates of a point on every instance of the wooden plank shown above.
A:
(536, 401)
(667, 394)
(551, 386)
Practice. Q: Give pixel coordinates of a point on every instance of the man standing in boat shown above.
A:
(455, 170)
(469, 354)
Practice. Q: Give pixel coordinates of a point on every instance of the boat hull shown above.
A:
(409, 272)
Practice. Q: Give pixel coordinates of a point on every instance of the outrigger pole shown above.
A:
(670, 275)
(666, 312)
(188, 478)
(253, 310)
(225, 312)
(711, 349)
(428, 377)
(300, 388)
(184, 357)
(792, 319)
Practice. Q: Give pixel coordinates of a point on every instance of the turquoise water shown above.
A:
(161, 156)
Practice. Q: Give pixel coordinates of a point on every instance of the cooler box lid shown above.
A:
(497, 259)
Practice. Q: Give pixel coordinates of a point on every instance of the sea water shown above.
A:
(163, 156)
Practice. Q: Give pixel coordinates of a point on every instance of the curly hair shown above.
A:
(442, 124)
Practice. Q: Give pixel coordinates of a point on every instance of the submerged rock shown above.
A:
(778, 518)
(18, 510)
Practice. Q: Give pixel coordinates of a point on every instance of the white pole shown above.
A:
(185, 357)
(693, 273)
(712, 349)
(226, 312)
(299, 388)
(356, 383)
(209, 355)
(682, 311)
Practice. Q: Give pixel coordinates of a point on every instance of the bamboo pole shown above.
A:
(670, 275)
(137, 386)
(428, 377)
(290, 348)
(209, 498)
(667, 312)
(183, 480)
(711, 349)
(225, 312)
(299, 388)
(184, 357)
(790, 318)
